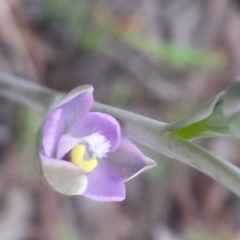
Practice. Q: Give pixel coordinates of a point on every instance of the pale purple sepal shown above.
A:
(63, 176)
(128, 160)
(105, 184)
(94, 122)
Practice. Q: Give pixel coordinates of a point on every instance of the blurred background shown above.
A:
(158, 58)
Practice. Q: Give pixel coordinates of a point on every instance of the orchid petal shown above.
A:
(75, 93)
(63, 176)
(76, 103)
(105, 184)
(65, 144)
(52, 129)
(128, 160)
(93, 122)
(78, 106)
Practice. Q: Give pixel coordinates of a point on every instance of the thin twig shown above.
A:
(27, 93)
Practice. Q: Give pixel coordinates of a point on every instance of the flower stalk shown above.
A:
(152, 134)
(28, 93)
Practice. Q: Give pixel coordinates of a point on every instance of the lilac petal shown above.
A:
(128, 160)
(65, 144)
(105, 184)
(63, 176)
(52, 128)
(76, 103)
(93, 122)
(75, 93)
(72, 110)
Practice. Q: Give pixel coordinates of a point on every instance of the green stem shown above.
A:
(151, 133)
(27, 93)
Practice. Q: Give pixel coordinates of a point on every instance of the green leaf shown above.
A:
(206, 121)
(231, 107)
(197, 115)
(212, 126)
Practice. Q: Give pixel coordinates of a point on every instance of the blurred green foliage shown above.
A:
(67, 232)
(91, 23)
(121, 94)
(29, 123)
(201, 233)
(78, 17)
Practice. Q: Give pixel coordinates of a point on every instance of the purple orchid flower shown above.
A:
(83, 153)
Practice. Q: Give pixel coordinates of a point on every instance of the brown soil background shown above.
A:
(129, 51)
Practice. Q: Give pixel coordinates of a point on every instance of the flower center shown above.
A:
(98, 144)
(95, 145)
(77, 157)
